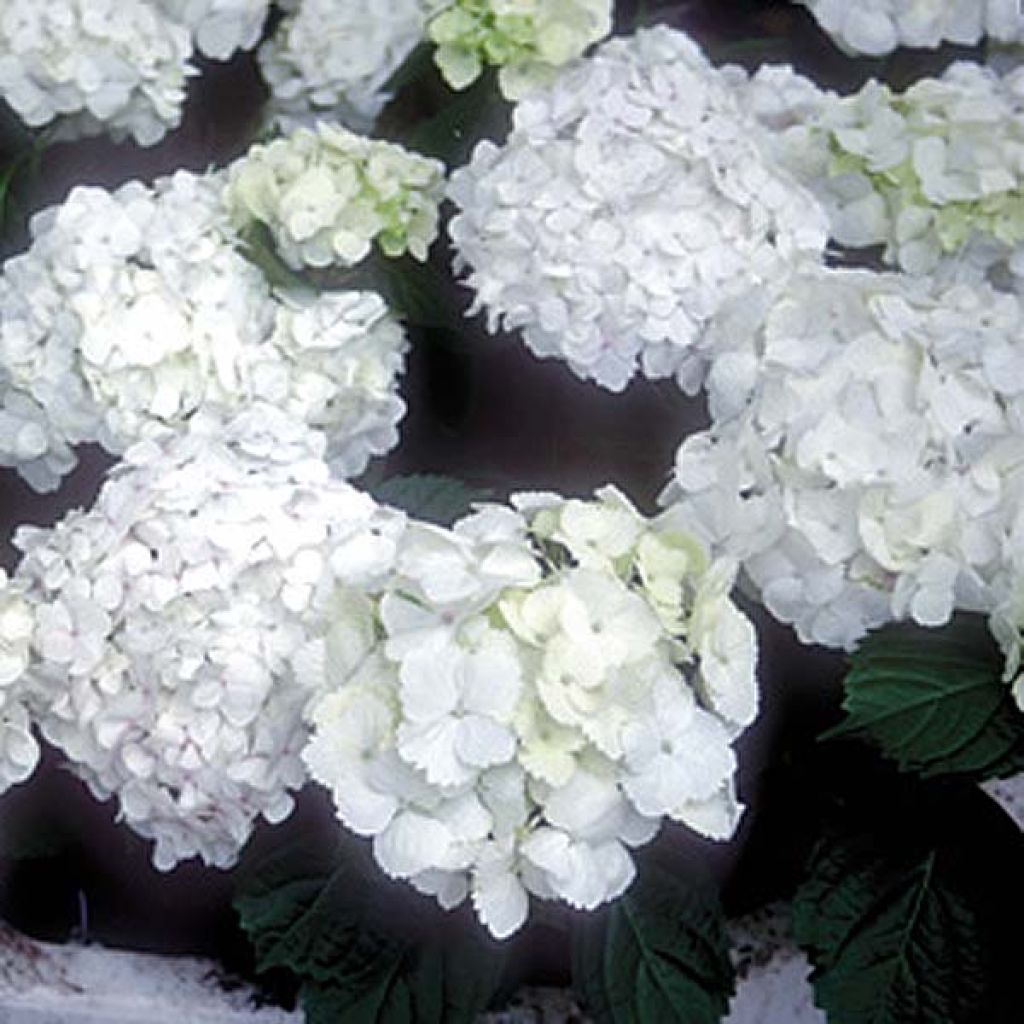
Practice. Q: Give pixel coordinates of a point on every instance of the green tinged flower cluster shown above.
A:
(943, 159)
(998, 215)
(326, 195)
(526, 39)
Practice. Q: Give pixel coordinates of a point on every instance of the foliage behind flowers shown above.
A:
(527, 695)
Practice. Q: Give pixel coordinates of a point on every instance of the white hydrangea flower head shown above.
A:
(528, 40)
(630, 200)
(327, 195)
(332, 59)
(114, 66)
(933, 173)
(877, 27)
(133, 308)
(172, 626)
(19, 752)
(219, 27)
(523, 697)
(865, 461)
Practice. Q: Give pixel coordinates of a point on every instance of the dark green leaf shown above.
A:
(416, 293)
(304, 912)
(434, 984)
(467, 116)
(935, 701)
(6, 177)
(657, 956)
(257, 246)
(331, 1004)
(437, 499)
(307, 916)
(419, 63)
(894, 939)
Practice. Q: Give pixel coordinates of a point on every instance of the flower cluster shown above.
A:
(19, 752)
(219, 27)
(326, 195)
(933, 173)
(133, 308)
(333, 59)
(865, 463)
(522, 698)
(630, 200)
(877, 27)
(528, 40)
(172, 627)
(100, 65)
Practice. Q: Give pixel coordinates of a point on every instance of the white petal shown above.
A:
(410, 844)
(716, 818)
(501, 903)
(429, 683)
(587, 806)
(482, 742)
(364, 810)
(449, 888)
(431, 748)
(492, 683)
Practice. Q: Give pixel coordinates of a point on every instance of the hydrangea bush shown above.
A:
(505, 696)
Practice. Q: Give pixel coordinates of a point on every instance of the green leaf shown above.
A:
(305, 912)
(657, 956)
(257, 246)
(465, 118)
(416, 292)
(894, 939)
(418, 64)
(306, 915)
(437, 499)
(438, 983)
(935, 701)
